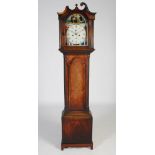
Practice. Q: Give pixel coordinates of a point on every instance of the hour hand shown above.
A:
(72, 31)
(79, 31)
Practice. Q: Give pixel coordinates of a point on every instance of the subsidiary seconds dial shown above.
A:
(76, 34)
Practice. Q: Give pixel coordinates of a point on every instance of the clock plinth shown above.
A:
(76, 129)
(76, 43)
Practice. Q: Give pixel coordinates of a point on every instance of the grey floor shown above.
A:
(49, 131)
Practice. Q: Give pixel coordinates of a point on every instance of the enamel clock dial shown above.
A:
(76, 34)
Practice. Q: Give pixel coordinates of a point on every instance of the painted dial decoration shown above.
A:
(76, 31)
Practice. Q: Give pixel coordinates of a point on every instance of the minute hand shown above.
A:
(80, 31)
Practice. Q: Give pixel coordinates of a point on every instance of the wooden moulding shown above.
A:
(76, 145)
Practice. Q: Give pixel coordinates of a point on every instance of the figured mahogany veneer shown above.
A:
(76, 117)
(76, 82)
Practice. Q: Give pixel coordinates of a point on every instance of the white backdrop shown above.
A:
(102, 78)
(18, 82)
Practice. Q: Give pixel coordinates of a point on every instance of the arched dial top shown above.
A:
(76, 30)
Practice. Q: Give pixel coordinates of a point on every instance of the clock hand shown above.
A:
(79, 31)
(69, 30)
(72, 31)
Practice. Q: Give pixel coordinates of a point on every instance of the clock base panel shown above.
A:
(76, 129)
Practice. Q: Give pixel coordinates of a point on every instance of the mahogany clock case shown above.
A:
(77, 120)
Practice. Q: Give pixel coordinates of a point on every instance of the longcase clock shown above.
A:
(76, 42)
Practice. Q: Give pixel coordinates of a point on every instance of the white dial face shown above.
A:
(76, 34)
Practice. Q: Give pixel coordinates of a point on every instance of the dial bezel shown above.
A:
(69, 24)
